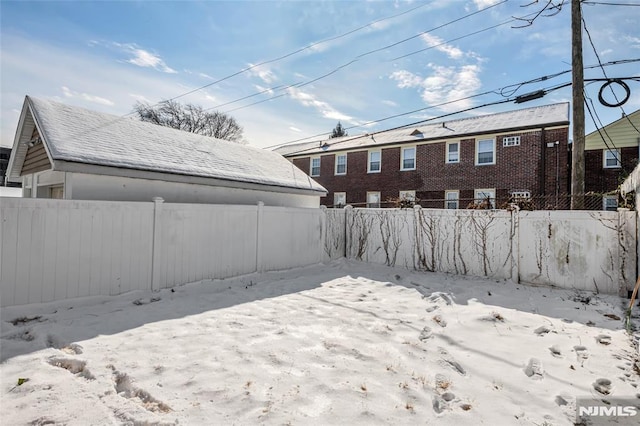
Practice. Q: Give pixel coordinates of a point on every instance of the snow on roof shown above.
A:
(80, 135)
(546, 115)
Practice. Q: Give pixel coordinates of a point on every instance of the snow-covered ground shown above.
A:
(344, 343)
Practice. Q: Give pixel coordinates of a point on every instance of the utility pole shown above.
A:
(577, 152)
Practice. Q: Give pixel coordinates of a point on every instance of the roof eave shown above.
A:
(317, 151)
(87, 168)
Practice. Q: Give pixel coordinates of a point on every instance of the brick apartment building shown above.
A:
(608, 164)
(450, 164)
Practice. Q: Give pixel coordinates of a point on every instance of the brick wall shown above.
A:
(600, 180)
(516, 168)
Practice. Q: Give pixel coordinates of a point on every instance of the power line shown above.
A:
(309, 46)
(495, 91)
(360, 56)
(547, 90)
(610, 3)
(604, 72)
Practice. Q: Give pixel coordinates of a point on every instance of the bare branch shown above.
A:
(191, 118)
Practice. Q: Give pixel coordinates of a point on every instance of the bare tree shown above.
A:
(191, 118)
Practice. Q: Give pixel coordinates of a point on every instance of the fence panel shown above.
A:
(468, 242)
(582, 250)
(199, 241)
(382, 236)
(60, 249)
(291, 237)
(335, 235)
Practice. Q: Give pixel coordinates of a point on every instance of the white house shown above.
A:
(62, 151)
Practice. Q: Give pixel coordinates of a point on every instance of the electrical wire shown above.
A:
(362, 55)
(604, 72)
(307, 47)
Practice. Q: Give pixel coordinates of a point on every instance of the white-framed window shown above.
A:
(315, 166)
(485, 194)
(374, 164)
(610, 203)
(485, 152)
(511, 141)
(453, 152)
(373, 200)
(408, 158)
(341, 164)
(339, 199)
(408, 195)
(451, 199)
(611, 159)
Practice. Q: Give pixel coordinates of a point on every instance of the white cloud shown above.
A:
(634, 42)
(481, 4)
(137, 56)
(324, 108)
(295, 129)
(439, 44)
(262, 72)
(390, 103)
(444, 84)
(68, 93)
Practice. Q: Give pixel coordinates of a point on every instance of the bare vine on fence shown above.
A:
(334, 241)
(429, 241)
(391, 227)
(360, 226)
(615, 225)
(481, 224)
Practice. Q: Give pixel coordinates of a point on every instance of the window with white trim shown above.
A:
(339, 199)
(511, 141)
(451, 199)
(453, 152)
(375, 162)
(483, 195)
(408, 195)
(373, 200)
(341, 164)
(611, 159)
(610, 203)
(485, 152)
(315, 166)
(408, 159)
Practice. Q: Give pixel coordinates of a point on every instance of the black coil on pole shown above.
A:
(609, 82)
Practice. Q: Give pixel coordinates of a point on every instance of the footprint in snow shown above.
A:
(603, 339)
(534, 369)
(602, 386)
(581, 353)
(425, 334)
(555, 351)
(541, 331)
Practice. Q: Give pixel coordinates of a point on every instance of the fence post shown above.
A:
(260, 212)
(323, 233)
(155, 250)
(515, 245)
(417, 211)
(348, 216)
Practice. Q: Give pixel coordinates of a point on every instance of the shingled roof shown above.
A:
(522, 119)
(73, 135)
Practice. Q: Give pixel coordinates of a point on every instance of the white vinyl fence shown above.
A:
(582, 250)
(61, 249)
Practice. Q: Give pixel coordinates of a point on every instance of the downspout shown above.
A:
(543, 166)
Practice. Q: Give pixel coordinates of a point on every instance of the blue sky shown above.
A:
(106, 55)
